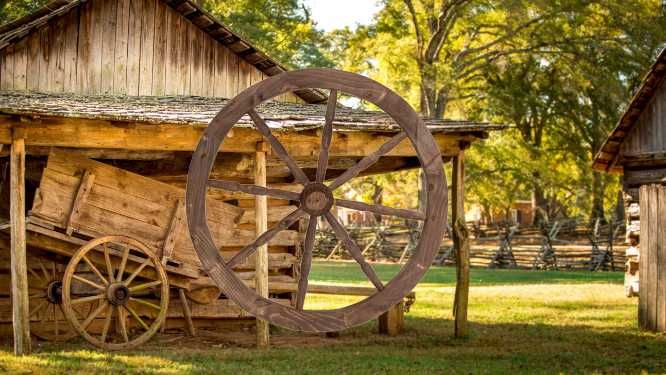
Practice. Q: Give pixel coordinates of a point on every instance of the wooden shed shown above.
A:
(132, 84)
(637, 148)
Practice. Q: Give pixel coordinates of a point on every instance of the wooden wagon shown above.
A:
(139, 247)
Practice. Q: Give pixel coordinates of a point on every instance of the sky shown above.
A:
(336, 14)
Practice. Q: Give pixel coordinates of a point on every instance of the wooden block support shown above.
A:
(261, 258)
(20, 300)
(392, 322)
(461, 243)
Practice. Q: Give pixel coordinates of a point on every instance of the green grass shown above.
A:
(521, 322)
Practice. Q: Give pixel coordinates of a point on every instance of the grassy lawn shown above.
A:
(521, 322)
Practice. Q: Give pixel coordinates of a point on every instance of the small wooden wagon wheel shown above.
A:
(47, 317)
(316, 199)
(128, 283)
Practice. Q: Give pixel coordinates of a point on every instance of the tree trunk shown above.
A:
(597, 197)
(539, 202)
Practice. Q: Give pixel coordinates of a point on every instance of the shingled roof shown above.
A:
(609, 153)
(199, 111)
(13, 31)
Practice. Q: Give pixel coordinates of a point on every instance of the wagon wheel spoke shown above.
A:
(88, 282)
(56, 321)
(368, 161)
(107, 323)
(94, 314)
(253, 189)
(382, 210)
(354, 250)
(145, 286)
(145, 303)
(38, 295)
(306, 263)
(136, 272)
(39, 308)
(95, 270)
(55, 273)
(137, 317)
(265, 237)
(277, 147)
(122, 324)
(327, 136)
(81, 300)
(123, 263)
(47, 278)
(42, 282)
(107, 261)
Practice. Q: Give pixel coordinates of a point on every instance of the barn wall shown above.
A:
(125, 47)
(649, 133)
(652, 264)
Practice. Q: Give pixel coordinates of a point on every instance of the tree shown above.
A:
(13, 9)
(282, 28)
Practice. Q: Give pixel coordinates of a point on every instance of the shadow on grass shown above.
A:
(426, 346)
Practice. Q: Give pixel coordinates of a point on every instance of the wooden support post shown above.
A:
(261, 220)
(392, 322)
(20, 307)
(461, 243)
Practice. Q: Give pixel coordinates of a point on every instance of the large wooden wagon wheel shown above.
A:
(47, 317)
(131, 289)
(316, 199)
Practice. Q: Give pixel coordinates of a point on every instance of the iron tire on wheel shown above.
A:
(117, 294)
(316, 199)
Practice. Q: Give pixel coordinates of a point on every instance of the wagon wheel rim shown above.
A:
(124, 270)
(316, 200)
(47, 318)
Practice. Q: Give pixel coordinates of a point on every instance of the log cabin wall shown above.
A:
(648, 136)
(125, 47)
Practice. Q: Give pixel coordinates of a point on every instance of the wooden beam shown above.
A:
(20, 300)
(135, 136)
(261, 224)
(461, 243)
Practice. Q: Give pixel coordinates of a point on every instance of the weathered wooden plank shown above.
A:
(57, 56)
(183, 76)
(95, 66)
(32, 69)
(82, 193)
(7, 76)
(120, 84)
(20, 300)
(71, 30)
(261, 257)
(101, 134)
(219, 83)
(45, 46)
(134, 46)
(174, 33)
(108, 45)
(661, 261)
(160, 49)
(461, 242)
(174, 228)
(232, 73)
(85, 47)
(20, 64)
(653, 251)
(196, 64)
(147, 43)
(209, 66)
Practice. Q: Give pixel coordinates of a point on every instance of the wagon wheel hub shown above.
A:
(54, 292)
(316, 199)
(118, 294)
